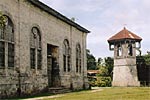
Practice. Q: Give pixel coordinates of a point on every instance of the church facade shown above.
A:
(40, 48)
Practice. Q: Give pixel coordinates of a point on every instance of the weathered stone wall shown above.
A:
(53, 31)
(125, 76)
(125, 70)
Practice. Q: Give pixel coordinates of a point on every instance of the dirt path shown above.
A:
(60, 95)
(46, 97)
(96, 90)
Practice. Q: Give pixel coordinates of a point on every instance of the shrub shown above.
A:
(103, 82)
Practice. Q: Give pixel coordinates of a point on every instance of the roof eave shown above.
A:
(117, 40)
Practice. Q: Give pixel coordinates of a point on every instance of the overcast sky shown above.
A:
(105, 18)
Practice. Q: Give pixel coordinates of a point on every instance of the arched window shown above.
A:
(119, 50)
(130, 50)
(78, 58)
(7, 43)
(35, 49)
(66, 56)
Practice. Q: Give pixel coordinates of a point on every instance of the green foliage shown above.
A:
(147, 59)
(107, 68)
(99, 62)
(103, 82)
(109, 63)
(103, 71)
(91, 61)
(2, 20)
(104, 78)
(92, 82)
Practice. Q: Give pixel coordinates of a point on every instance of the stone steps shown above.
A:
(58, 90)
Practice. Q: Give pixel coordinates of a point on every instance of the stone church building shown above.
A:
(39, 49)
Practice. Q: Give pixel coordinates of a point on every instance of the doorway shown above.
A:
(53, 66)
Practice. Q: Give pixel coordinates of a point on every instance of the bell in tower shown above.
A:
(125, 44)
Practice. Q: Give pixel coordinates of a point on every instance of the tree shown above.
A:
(99, 62)
(91, 61)
(144, 59)
(147, 59)
(107, 68)
(109, 63)
(104, 78)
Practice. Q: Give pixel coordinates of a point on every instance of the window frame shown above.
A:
(78, 59)
(35, 44)
(119, 50)
(130, 49)
(2, 54)
(7, 38)
(66, 56)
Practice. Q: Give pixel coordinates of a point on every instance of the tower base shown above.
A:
(125, 84)
(125, 76)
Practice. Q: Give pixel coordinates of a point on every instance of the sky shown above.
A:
(104, 18)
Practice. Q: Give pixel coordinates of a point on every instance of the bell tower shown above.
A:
(125, 44)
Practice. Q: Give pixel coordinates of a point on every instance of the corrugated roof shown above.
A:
(124, 34)
(93, 71)
(53, 12)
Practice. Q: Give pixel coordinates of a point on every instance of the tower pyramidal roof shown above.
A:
(124, 34)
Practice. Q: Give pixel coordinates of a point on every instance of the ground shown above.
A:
(111, 93)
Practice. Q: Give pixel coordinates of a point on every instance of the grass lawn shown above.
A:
(113, 93)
